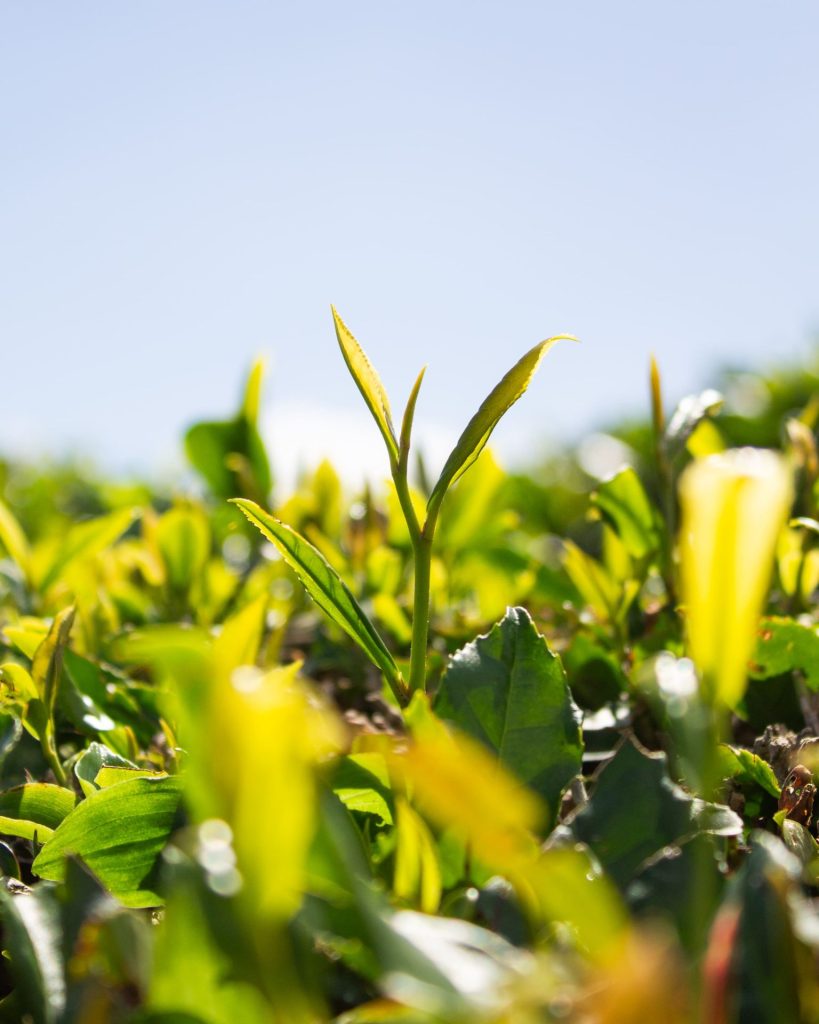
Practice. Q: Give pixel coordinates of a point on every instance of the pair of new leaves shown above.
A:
(319, 578)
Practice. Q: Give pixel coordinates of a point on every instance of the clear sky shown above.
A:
(186, 183)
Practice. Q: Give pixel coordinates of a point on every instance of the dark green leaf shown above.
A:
(684, 885)
(508, 690)
(31, 925)
(119, 833)
(764, 980)
(636, 810)
(230, 455)
(326, 588)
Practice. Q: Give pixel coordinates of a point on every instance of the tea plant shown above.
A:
(321, 581)
(585, 795)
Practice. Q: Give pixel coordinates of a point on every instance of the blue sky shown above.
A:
(186, 184)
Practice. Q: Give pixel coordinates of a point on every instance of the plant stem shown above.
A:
(422, 548)
(53, 760)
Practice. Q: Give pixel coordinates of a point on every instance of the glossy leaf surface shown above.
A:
(509, 691)
(326, 588)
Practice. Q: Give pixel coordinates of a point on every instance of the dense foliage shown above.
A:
(498, 748)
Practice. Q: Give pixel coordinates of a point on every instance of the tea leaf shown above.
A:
(783, 645)
(508, 690)
(230, 454)
(119, 832)
(34, 810)
(623, 831)
(502, 397)
(326, 588)
(745, 767)
(14, 540)
(47, 663)
(33, 937)
(409, 416)
(368, 383)
(85, 540)
(623, 502)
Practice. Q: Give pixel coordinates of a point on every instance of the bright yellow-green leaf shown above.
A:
(597, 588)
(368, 382)
(253, 391)
(409, 415)
(85, 540)
(35, 807)
(17, 684)
(238, 642)
(493, 407)
(14, 540)
(48, 658)
(326, 588)
(733, 508)
(417, 876)
(270, 737)
(119, 832)
(183, 537)
(457, 783)
(110, 775)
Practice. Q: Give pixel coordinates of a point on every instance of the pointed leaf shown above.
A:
(13, 539)
(409, 415)
(87, 539)
(636, 810)
(33, 937)
(47, 663)
(508, 690)
(493, 407)
(326, 588)
(368, 382)
(33, 811)
(119, 832)
(624, 504)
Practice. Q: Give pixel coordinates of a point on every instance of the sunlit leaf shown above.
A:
(14, 540)
(733, 507)
(119, 833)
(368, 383)
(493, 407)
(417, 877)
(84, 541)
(623, 502)
(326, 588)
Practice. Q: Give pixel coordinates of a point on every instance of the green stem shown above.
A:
(422, 548)
(53, 760)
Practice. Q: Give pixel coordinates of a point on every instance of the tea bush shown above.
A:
(483, 748)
